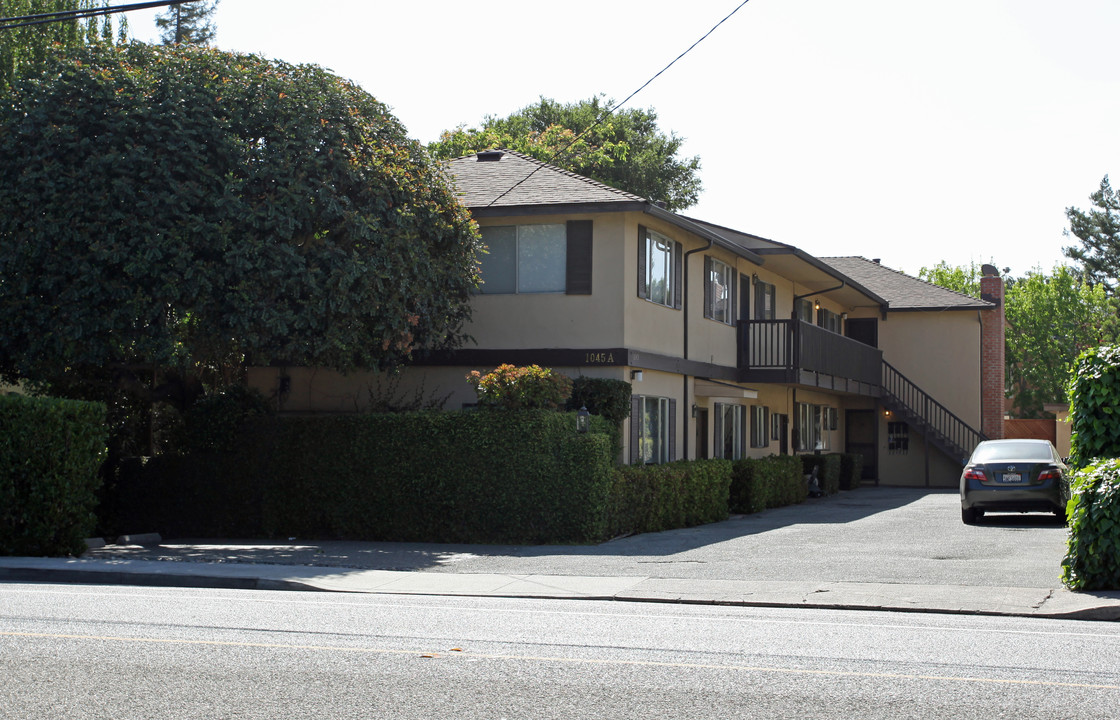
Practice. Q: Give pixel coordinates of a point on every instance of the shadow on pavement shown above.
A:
(846, 507)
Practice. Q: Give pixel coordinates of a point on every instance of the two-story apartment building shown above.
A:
(735, 345)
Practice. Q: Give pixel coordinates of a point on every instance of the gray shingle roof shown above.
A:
(902, 291)
(495, 183)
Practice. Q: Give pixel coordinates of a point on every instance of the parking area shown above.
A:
(869, 535)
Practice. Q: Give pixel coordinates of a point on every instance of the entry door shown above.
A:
(701, 434)
(861, 430)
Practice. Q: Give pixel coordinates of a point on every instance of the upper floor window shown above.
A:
(719, 291)
(805, 310)
(829, 320)
(524, 259)
(549, 258)
(659, 268)
(763, 300)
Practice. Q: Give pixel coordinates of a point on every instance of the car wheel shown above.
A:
(969, 516)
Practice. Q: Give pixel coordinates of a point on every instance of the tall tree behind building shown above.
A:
(188, 23)
(22, 48)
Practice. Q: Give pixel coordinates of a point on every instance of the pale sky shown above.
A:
(906, 130)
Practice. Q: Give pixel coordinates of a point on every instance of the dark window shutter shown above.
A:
(579, 257)
(732, 296)
(643, 261)
(707, 286)
(744, 297)
(717, 431)
(672, 430)
(635, 427)
(744, 430)
(678, 274)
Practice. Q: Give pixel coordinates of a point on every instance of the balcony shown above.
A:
(798, 353)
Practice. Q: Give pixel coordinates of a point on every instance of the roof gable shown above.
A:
(902, 291)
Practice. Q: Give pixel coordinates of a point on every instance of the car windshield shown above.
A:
(989, 452)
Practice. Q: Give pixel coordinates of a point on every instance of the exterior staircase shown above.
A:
(941, 428)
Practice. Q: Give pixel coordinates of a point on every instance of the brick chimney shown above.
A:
(991, 354)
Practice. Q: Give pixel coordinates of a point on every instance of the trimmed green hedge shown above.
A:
(828, 472)
(1092, 559)
(50, 453)
(761, 483)
(851, 471)
(651, 498)
(477, 477)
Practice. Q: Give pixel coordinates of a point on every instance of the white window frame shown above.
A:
(524, 238)
(720, 291)
(653, 431)
(659, 246)
(732, 419)
(760, 426)
(815, 424)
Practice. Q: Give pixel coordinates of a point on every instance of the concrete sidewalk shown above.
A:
(106, 569)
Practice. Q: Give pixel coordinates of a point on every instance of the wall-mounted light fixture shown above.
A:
(583, 420)
(754, 278)
(636, 375)
(817, 305)
(887, 413)
(843, 316)
(695, 411)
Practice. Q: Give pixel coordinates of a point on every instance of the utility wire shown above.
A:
(12, 23)
(610, 111)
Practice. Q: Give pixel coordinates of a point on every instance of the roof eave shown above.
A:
(686, 224)
(827, 269)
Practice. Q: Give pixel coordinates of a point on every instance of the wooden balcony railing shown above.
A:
(791, 346)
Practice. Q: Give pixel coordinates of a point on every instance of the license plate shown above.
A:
(1012, 477)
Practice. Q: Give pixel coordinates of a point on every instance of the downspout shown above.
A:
(687, 407)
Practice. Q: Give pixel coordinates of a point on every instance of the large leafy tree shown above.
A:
(1051, 319)
(187, 207)
(1098, 229)
(626, 149)
(22, 48)
(190, 23)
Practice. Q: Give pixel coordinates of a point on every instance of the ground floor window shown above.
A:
(898, 438)
(760, 426)
(730, 431)
(652, 431)
(815, 424)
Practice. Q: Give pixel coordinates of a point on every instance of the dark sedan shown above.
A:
(1014, 476)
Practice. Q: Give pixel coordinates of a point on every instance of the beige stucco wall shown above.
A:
(557, 320)
(940, 352)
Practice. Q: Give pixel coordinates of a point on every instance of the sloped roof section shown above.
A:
(902, 291)
(507, 179)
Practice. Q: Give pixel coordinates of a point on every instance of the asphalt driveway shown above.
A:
(869, 535)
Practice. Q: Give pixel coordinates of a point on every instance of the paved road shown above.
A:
(104, 652)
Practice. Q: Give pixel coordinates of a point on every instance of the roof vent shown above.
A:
(876, 260)
(490, 155)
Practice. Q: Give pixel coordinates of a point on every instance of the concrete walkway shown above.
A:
(871, 549)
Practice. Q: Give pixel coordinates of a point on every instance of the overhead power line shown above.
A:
(610, 111)
(12, 23)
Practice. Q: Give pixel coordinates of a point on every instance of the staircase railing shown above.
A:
(940, 426)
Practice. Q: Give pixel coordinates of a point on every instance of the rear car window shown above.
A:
(1012, 451)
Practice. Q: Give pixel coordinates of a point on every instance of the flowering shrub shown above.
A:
(519, 388)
